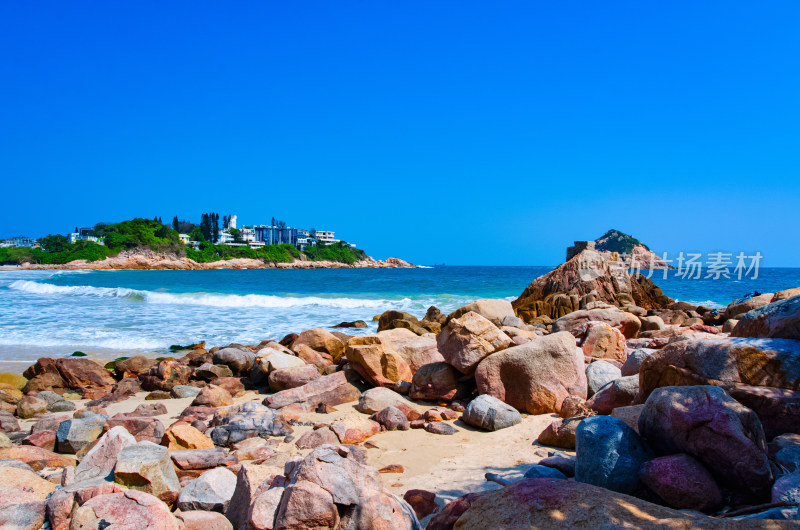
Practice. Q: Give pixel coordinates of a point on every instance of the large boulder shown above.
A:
(722, 361)
(609, 454)
(143, 428)
(377, 399)
(22, 498)
(73, 435)
(389, 320)
(251, 481)
(740, 307)
(247, 420)
(180, 435)
(239, 361)
(333, 389)
(416, 350)
(100, 460)
(535, 377)
(560, 433)
(493, 309)
(292, 377)
(321, 340)
(437, 381)
(682, 482)
(577, 321)
(602, 341)
(621, 392)
(36, 457)
(707, 424)
(599, 374)
(147, 467)
(779, 320)
(211, 491)
(376, 360)
(125, 510)
(553, 503)
(587, 277)
(83, 373)
(466, 340)
(488, 412)
(777, 408)
(213, 396)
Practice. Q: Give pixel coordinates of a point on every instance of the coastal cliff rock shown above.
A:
(588, 276)
(637, 254)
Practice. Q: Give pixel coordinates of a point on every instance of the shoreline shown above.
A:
(153, 261)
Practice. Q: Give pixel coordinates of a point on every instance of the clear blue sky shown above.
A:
(457, 132)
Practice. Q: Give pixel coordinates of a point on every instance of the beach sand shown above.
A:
(449, 466)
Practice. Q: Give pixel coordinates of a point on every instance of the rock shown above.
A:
(306, 505)
(212, 372)
(722, 361)
(548, 503)
(634, 361)
(652, 323)
(435, 381)
(244, 421)
(199, 520)
(599, 340)
(787, 488)
(609, 454)
(706, 423)
(317, 437)
(135, 366)
(14, 380)
(538, 471)
(212, 491)
(447, 518)
(22, 498)
(376, 399)
(682, 482)
(392, 419)
(99, 462)
(239, 361)
(599, 374)
(83, 373)
(560, 433)
(492, 309)
(73, 435)
(36, 457)
(251, 481)
(738, 307)
(576, 322)
(415, 350)
(30, 406)
(779, 320)
(440, 427)
(6, 442)
(466, 340)
(488, 412)
(213, 396)
(535, 377)
(149, 409)
(321, 340)
(354, 429)
(264, 509)
(422, 501)
(126, 510)
(292, 377)
(353, 324)
(621, 392)
(181, 435)
(330, 390)
(376, 360)
(193, 459)
(400, 320)
(43, 439)
(147, 467)
(185, 391)
(143, 428)
(777, 409)
(562, 462)
(630, 415)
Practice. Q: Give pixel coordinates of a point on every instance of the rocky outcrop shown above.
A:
(780, 320)
(588, 276)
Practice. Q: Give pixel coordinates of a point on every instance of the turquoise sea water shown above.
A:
(123, 312)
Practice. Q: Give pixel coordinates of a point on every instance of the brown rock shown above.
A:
(43, 439)
(134, 366)
(143, 428)
(537, 376)
(292, 377)
(560, 433)
(149, 409)
(128, 510)
(468, 339)
(306, 505)
(434, 381)
(193, 459)
(375, 359)
(251, 481)
(423, 502)
(331, 390)
(30, 406)
(199, 520)
(213, 396)
(181, 435)
(603, 342)
(37, 457)
(321, 340)
(82, 373)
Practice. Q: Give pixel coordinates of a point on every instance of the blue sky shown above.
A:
(455, 132)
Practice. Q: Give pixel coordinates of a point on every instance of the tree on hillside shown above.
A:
(205, 226)
(215, 227)
(176, 224)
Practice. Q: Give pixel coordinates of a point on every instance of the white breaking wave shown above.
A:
(201, 299)
(117, 343)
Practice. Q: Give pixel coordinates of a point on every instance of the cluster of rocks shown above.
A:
(680, 414)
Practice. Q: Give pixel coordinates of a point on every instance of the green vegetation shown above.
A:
(211, 252)
(153, 234)
(616, 241)
(341, 252)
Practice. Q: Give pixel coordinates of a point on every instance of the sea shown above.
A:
(124, 312)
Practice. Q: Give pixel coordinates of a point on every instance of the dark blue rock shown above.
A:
(609, 454)
(538, 471)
